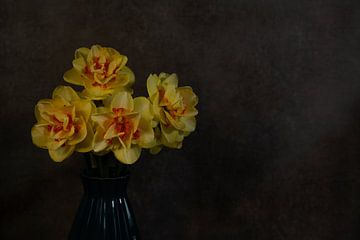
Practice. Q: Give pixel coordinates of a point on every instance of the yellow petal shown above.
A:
(157, 110)
(79, 64)
(84, 108)
(175, 123)
(134, 118)
(74, 77)
(143, 106)
(113, 52)
(38, 117)
(189, 123)
(190, 100)
(124, 77)
(146, 134)
(66, 93)
(40, 135)
(102, 110)
(43, 107)
(82, 52)
(113, 64)
(170, 144)
(63, 134)
(163, 76)
(170, 96)
(171, 134)
(55, 144)
(58, 103)
(58, 113)
(123, 62)
(128, 155)
(81, 134)
(95, 92)
(189, 97)
(111, 132)
(107, 101)
(102, 120)
(156, 149)
(61, 153)
(99, 143)
(152, 84)
(122, 100)
(171, 81)
(96, 50)
(86, 144)
(189, 112)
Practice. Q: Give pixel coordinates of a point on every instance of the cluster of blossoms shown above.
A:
(105, 117)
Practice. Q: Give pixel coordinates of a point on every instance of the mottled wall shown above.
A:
(276, 152)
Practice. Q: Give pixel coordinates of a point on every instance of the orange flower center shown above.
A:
(104, 67)
(58, 125)
(123, 125)
(174, 112)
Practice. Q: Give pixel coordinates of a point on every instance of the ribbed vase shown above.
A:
(104, 212)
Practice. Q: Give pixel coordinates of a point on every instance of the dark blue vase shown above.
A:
(104, 212)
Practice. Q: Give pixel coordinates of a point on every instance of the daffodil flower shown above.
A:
(123, 126)
(173, 107)
(63, 124)
(100, 70)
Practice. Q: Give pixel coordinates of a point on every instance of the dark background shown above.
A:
(276, 151)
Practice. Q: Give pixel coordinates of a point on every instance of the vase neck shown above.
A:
(105, 187)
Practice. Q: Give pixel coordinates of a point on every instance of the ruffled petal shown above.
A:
(171, 96)
(84, 108)
(175, 123)
(171, 134)
(124, 77)
(170, 144)
(74, 77)
(171, 81)
(128, 155)
(61, 153)
(102, 120)
(143, 106)
(188, 96)
(38, 117)
(81, 132)
(40, 135)
(152, 84)
(122, 100)
(145, 134)
(95, 92)
(82, 52)
(79, 64)
(66, 93)
(99, 143)
(86, 144)
(189, 123)
(111, 132)
(55, 144)
(156, 149)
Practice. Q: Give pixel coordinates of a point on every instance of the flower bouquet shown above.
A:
(111, 127)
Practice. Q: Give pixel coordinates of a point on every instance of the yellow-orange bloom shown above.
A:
(100, 70)
(174, 108)
(62, 124)
(124, 127)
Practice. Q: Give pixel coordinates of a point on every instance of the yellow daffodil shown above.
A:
(63, 124)
(173, 107)
(124, 127)
(100, 70)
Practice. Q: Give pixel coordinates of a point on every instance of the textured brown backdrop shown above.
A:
(276, 151)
